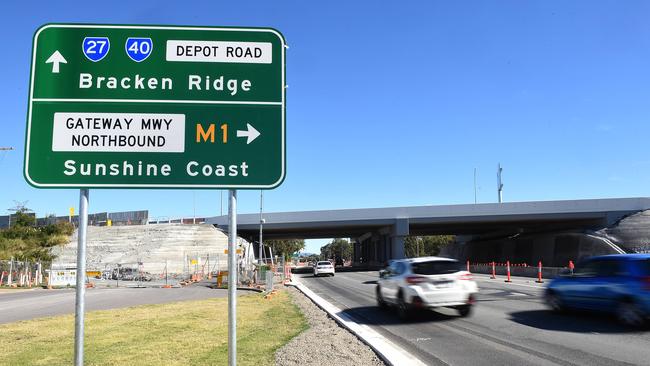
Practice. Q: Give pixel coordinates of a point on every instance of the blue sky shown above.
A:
(396, 103)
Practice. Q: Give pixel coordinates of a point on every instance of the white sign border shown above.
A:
(156, 186)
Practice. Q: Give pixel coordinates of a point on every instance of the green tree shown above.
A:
(422, 246)
(312, 258)
(24, 241)
(286, 247)
(338, 248)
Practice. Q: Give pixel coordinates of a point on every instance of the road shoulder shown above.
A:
(390, 353)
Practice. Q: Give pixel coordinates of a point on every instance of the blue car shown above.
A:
(618, 284)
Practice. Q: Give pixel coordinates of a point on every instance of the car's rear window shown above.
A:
(324, 263)
(436, 267)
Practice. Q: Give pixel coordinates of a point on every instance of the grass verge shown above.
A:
(181, 333)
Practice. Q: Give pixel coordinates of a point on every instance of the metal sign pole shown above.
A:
(80, 302)
(232, 278)
(261, 223)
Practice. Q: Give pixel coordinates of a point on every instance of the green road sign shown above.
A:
(113, 106)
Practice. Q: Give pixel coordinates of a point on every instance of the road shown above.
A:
(510, 325)
(18, 305)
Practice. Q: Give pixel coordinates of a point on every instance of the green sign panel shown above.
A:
(114, 106)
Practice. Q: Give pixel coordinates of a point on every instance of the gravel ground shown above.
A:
(325, 342)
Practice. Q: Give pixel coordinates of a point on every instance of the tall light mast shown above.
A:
(499, 183)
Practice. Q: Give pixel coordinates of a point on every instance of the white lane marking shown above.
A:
(387, 350)
(517, 294)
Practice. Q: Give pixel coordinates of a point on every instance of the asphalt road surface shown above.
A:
(510, 325)
(23, 305)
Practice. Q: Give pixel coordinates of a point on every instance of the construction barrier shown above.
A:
(494, 271)
(539, 273)
(287, 273)
(508, 271)
(220, 278)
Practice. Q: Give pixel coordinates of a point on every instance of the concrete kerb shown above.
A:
(389, 352)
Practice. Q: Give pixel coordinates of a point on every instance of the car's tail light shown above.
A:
(465, 276)
(414, 280)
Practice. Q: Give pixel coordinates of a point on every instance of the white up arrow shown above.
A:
(55, 60)
(251, 133)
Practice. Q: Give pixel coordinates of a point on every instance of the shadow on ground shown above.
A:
(573, 321)
(373, 315)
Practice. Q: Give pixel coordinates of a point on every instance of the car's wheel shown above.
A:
(628, 313)
(403, 309)
(380, 299)
(554, 301)
(464, 310)
(332, 274)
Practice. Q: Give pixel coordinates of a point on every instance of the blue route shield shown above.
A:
(138, 48)
(96, 48)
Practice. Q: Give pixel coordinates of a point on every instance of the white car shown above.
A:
(426, 283)
(323, 268)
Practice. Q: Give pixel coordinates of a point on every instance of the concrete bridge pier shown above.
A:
(400, 230)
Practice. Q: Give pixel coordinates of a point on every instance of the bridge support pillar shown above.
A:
(400, 232)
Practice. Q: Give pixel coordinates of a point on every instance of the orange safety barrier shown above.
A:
(508, 271)
(220, 276)
(494, 271)
(539, 273)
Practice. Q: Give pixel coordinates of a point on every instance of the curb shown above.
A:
(386, 350)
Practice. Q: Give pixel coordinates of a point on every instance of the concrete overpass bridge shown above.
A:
(552, 231)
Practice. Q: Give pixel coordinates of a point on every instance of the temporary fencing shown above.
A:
(15, 273)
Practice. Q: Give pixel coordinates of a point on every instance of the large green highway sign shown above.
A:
(114, 106)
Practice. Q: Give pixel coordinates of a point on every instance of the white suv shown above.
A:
(426, 283)
(323, 268)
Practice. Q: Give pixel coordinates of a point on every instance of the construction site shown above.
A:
(142, 253)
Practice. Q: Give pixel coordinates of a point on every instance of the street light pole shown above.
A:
(499, 183)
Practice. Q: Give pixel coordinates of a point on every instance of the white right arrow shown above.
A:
(55, 60)
(251, 133)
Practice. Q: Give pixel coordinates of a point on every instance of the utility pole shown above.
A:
(20, 207)
(499, 183)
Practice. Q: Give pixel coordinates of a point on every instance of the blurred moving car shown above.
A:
(426, 283)
(323, 268)
(618, 284)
